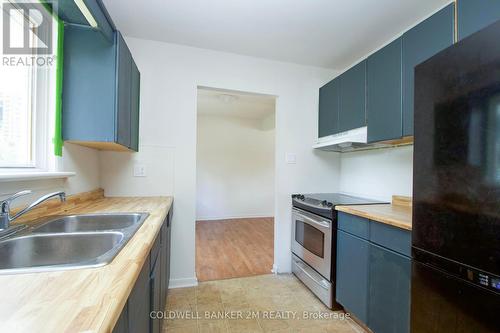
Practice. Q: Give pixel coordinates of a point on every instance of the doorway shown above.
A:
(235, 184)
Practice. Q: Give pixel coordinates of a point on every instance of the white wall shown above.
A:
(235, 168)
(83, 161)
(378, 173)
(117, 169)
(170, 75)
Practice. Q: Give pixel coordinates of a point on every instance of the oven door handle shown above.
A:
(323, 283)
(312, 221)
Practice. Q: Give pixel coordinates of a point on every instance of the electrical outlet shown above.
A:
(139, 170)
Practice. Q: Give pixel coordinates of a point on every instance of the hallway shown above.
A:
(234, 248)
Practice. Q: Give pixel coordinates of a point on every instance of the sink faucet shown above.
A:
(5, 215)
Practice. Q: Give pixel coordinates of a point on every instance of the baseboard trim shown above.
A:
(182, 283)
(233, 217)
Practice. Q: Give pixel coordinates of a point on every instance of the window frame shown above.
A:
(43, 106)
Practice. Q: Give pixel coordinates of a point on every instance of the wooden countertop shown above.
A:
(397, 214)
(89, 300)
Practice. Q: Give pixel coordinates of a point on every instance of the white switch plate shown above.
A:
(139, 170)
(291, 158)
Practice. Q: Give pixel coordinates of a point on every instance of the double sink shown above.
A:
(68, 242)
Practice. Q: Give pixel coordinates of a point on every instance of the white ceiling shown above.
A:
(324, 33)
(216, 102)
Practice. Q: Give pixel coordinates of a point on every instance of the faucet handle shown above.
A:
(6, 203)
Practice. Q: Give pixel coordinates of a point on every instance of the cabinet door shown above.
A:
(420, 43)
(134, 104)
(169, 248)
(139, 302)
(352, 112)
(70, 13)
(164, 263)
(88, 101)
(352, 274)
(389, 291)
(155, 295)
(474, 15)
(329, 104)
(124, 84)
(121, 325)
(384, 93)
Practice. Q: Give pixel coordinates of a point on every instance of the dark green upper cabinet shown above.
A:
(135, 89)
(123, 97)
(474, 15)
(420, 43)
(352, 112)
(329, 105)
(70, 13)
(384, 93)
(100, 91)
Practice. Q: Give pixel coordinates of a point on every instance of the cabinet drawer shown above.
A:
(393, 238)
(355, 225)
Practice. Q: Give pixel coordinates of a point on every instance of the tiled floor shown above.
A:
(266, 303)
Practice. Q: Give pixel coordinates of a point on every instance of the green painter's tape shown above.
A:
(58, 141)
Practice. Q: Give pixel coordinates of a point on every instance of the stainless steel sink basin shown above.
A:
(68, 242)
(91, 222)
(45, 252)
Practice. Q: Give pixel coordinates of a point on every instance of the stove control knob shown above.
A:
(324, 203)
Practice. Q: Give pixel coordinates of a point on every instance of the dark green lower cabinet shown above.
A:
(389, 291)
(121, 325)
(373, 273)
(156, 295)
(150, 289)
(352, 274)
(138, 302)
(165, 258)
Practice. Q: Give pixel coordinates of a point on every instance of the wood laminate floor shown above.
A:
(234, 248)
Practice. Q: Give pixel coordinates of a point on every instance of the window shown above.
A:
(16, 117)
(27, 104)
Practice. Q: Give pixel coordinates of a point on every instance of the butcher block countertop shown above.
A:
(397, 214)
(83, 300)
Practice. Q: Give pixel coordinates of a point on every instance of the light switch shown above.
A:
(291, 158)
(139, 170)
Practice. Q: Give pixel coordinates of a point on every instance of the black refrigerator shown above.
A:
(456, 189)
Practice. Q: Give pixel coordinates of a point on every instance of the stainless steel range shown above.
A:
(314, 240)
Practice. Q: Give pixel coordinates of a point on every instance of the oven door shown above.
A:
(312, 240)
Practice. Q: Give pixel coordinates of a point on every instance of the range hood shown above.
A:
(352, 140)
